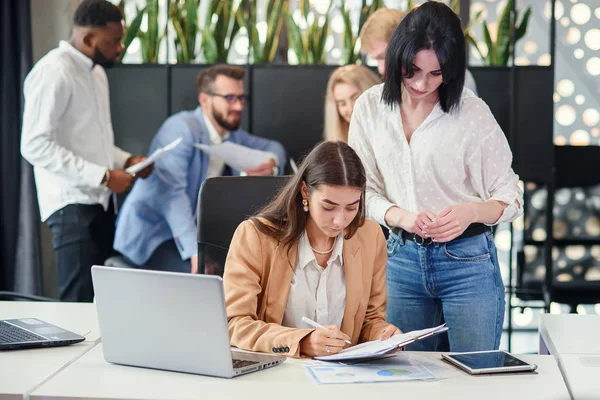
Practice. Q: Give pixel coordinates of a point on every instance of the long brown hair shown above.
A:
(330, 163)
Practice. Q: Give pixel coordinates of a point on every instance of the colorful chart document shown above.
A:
(327, 374)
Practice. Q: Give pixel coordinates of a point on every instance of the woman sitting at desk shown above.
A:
(310, 253)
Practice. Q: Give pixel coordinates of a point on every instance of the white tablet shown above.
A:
(488, 362)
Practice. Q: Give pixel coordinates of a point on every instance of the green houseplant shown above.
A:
(131, 28)
(263, 51)
(499, 50)
(309, 46)
(184, 19)
(351, 51)
(224, 18)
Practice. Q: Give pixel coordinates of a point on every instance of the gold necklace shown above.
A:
(324, 252)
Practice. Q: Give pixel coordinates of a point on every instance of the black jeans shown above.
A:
(82, 235)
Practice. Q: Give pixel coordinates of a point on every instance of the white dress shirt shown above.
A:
(452, 158)
(215, 165)
(67, 131)
(316, 292)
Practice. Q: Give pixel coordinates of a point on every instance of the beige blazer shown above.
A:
(258, 274)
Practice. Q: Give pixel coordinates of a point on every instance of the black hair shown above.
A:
(432, 26)
(96, 13)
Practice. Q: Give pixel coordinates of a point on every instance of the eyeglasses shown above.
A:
(230, 97)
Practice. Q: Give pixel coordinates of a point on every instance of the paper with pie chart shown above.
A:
(328, 374)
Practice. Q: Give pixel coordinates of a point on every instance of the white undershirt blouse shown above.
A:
(452, 158)
(316, 292)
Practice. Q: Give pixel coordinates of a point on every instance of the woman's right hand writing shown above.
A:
(320, 341)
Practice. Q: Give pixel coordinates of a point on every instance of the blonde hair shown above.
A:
(358, 76)
(379, 26)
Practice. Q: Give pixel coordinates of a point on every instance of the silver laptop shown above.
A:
(170, 321)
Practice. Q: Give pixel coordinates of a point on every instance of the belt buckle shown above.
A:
(424, 242)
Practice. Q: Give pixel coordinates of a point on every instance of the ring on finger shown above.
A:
(328, 349)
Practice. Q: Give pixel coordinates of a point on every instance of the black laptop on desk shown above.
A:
(27, 333)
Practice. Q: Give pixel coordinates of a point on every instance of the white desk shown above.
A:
(91, 377)
(76, 317)
(23, 370)
(574, 341)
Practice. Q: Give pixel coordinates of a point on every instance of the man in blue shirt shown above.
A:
(156, 227)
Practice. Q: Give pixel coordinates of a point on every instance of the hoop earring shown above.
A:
(305, 205)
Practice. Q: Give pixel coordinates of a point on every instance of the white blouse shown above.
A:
(453, 158)
(316, 292)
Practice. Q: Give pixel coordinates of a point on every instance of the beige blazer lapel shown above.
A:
(353, 272)
(280, 279)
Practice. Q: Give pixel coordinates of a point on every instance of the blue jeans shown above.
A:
(458, 283)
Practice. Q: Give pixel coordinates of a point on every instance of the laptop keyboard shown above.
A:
(12, 334)
(242, 363)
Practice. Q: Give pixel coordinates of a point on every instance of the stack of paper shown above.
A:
(238, 157)
(379, 348)
(134, 169)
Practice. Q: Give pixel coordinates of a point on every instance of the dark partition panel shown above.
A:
(184, 90)
(288, 103)
(533, 148)
(493, 86)
(138, 103)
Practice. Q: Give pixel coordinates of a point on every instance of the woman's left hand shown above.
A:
(389, 331)
(452, 222)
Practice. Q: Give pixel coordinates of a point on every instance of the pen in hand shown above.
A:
(318, 326)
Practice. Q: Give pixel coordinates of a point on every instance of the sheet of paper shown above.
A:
(134, 169)
(327, 374)
(378, 347)
(236, 156)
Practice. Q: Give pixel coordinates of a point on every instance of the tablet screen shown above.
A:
(493, 359)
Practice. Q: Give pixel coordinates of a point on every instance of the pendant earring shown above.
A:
(305, 205)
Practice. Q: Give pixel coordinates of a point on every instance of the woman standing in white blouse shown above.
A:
(438, 175)
(309, 253)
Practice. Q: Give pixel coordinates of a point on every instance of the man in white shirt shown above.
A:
(68, 138)
(376, 34)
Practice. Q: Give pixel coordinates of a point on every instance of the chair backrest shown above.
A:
(224, 203)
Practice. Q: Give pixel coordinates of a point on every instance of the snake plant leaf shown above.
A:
(191, 25)
(503, 36)
(152, 12)
(305, 7)
(274, 24)
(473, 42)
(522, 28)
(295, 37)
(132, 31)
(490, 56)
(209, 45)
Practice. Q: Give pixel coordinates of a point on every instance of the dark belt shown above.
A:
(472, 230)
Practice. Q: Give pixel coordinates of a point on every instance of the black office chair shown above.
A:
(224, 203)
(576, 168)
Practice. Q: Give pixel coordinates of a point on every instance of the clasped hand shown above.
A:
(444, 227)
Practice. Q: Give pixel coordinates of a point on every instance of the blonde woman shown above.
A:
(345, 85)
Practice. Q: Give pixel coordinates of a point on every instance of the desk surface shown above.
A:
(76, 317)
(581, 372)
(91, 377)
(22, 370)
(571, 333)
